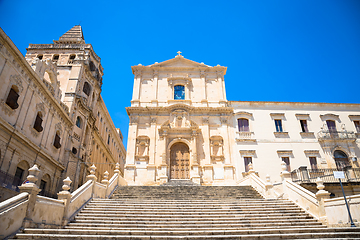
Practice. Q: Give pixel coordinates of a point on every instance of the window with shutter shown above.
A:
(57, 141)
(287, 161)
(278, 125)
(12, 98)
(78, 122)
(331, 125)
(357, 126)
(243, 124)
(304, 127)
(87, 88)
(313, 163)
(38, 122)
(247, 161)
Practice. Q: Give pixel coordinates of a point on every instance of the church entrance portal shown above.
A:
(179, 161)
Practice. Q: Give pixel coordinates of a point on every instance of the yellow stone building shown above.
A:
(183, 127)
(52, 114)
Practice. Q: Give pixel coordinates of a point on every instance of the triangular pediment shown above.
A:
(180, 61)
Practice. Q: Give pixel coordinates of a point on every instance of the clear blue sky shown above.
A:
(290, 50)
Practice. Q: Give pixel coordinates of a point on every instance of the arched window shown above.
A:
(40, 56)
(78, 122)
(243, 124)
(331, 125)
(341, 160)
(38, 122)
(57, 140)
(87, 88)
(13, 97)
(179, 92)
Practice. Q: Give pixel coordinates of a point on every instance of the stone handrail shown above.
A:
(265, 189)
(12, 213)
(244, 181)
(78, 198)
(258, 184)
(49, 200)
(28, 209)
(99, 190)
(302, 197)
(80, 190)
(12, 202)
(334, 206)
(113, 183)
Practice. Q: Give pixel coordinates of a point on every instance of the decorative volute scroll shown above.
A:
(142, 148)
(216, 148)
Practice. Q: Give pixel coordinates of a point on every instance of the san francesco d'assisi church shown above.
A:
(183, 127)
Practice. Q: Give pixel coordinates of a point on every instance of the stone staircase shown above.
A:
(191, 212)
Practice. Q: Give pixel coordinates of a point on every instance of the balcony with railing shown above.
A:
(304, 175)
(245, 137)
(332, 135)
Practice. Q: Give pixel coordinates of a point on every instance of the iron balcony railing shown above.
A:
(304, 175)
(324, 135)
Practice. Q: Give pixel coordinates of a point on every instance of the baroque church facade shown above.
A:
(183, 127)
(52, 114)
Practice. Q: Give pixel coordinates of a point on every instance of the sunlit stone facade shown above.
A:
(52, 114)
(183, 127)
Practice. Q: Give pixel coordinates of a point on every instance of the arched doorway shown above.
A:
(341, 160)
(179, 161)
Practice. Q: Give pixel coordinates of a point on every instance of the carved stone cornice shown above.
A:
(167, 110)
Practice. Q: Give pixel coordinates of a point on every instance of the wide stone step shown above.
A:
(185, 229)
(192, 201)
(193, 208)
(147, 232)
(210, 218)
(195, 215)
(195, 224)
(276, 236)
(177, 212)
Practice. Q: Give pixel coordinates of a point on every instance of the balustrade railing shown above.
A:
(304, 175)
(336, 135)
(244, 136)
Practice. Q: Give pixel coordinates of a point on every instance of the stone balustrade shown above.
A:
(28, 209)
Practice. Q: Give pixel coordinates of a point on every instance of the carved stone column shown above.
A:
(163, 168)
(195, 177)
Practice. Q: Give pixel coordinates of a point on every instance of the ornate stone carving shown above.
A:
(142, 148)
(40, 108)
(134, 119)
(216, 148)
(58, 127)
(16, 80)
(153, 120)
(205, 120)
(224, 120)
